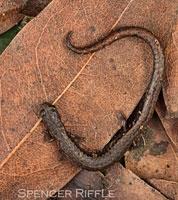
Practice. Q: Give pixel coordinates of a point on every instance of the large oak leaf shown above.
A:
(88, 90)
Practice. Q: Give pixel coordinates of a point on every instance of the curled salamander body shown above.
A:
(52, 119)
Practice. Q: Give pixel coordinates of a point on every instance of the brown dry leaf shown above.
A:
(87, 89)
(9, 15)
(123, 184)
(155, 156)
(82, 186)
(11, 12)
(168, 188)
(170, 125)
(170, 89)
(34, 7)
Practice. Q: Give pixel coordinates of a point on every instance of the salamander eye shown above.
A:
(43, 113)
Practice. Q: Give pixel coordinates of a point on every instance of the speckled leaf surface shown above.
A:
(155, 155)
(9, 15)
(123, 183)
(170, 89)
(88, 90)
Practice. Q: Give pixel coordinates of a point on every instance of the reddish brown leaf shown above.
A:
(171, 81)
(85, 185)
(11, 12)
(170, 125)
(123, 184)
(9, 15)
(34, 7)
(88, 90)
(168, 188)
(155, 156)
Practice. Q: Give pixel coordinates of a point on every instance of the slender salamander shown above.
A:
(52, 119)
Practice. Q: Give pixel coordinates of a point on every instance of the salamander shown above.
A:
(51, 118)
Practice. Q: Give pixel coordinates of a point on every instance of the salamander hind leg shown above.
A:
(122, 120)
